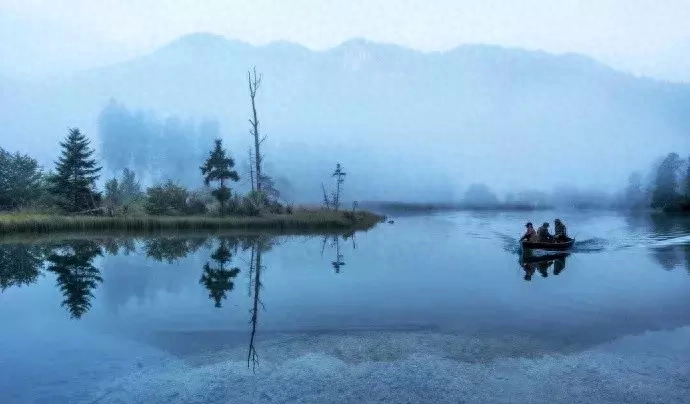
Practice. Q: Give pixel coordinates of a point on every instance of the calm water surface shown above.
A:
(438, 308)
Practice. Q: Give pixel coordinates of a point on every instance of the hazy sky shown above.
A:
(649, 37)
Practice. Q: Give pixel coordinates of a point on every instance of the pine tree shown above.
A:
(665, 192)
(73, 185)
(76, 275)
(218, 167)
(218, 281)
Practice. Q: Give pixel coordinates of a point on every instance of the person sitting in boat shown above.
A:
(530, 234)
(543, 233)
(561, 233)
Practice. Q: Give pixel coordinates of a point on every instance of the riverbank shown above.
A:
(298, 222)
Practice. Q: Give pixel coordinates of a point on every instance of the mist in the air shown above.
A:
(477, 124)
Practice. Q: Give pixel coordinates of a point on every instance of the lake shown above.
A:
(435, 308)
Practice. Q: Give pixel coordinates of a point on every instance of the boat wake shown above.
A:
(591, 245)
(670, 242)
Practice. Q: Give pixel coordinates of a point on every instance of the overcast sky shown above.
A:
(650, 37)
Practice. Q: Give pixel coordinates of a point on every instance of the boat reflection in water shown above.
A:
(532, 263)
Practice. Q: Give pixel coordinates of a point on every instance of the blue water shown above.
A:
(437, 308)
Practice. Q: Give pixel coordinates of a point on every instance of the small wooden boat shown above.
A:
(553, 245)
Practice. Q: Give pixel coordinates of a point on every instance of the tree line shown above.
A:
(71, 186)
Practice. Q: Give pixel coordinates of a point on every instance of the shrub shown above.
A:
(166, 199)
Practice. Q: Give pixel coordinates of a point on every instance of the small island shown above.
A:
(67, 198)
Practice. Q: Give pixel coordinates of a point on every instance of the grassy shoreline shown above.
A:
(298, 223)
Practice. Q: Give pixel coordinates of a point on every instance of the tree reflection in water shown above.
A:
(335, 244)
(219, 280)
(76, 276)
(260, 245)
(172, 249)
(20, 264)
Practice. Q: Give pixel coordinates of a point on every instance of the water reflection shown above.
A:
(20, 264)
(172, 249)
(262, 245)
(76, 276)
(334, 243)
(532, 263)
(671, 248)
(218, 280)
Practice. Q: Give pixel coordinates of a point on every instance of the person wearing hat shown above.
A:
(530, 234)
(561, 234)
(543, 232)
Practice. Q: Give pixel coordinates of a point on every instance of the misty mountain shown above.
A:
(404, 124)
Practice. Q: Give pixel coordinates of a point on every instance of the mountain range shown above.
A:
(406, 125)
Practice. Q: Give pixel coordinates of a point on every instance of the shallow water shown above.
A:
(438, 308)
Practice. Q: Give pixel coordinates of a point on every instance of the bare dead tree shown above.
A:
(254, 84)
(252, 355)
(251, 167)
(326, 201)
(251, 272)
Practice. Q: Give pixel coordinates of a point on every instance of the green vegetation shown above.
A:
(73, 186)
(218, 167)
(20, 180)
(671, 188)
(68, 199)
(298, 221)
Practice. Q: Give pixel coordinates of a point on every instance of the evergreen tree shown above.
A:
(218, 167)
(76, 275)
(130, 189)
(665, 192)
(73, 185)
(20, 180)
(219, 280)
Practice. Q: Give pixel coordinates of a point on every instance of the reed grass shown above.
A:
(301, 221)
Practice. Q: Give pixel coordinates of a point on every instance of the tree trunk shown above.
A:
(253, 87)
(222, 201)
(251, 169)
(337, 194)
